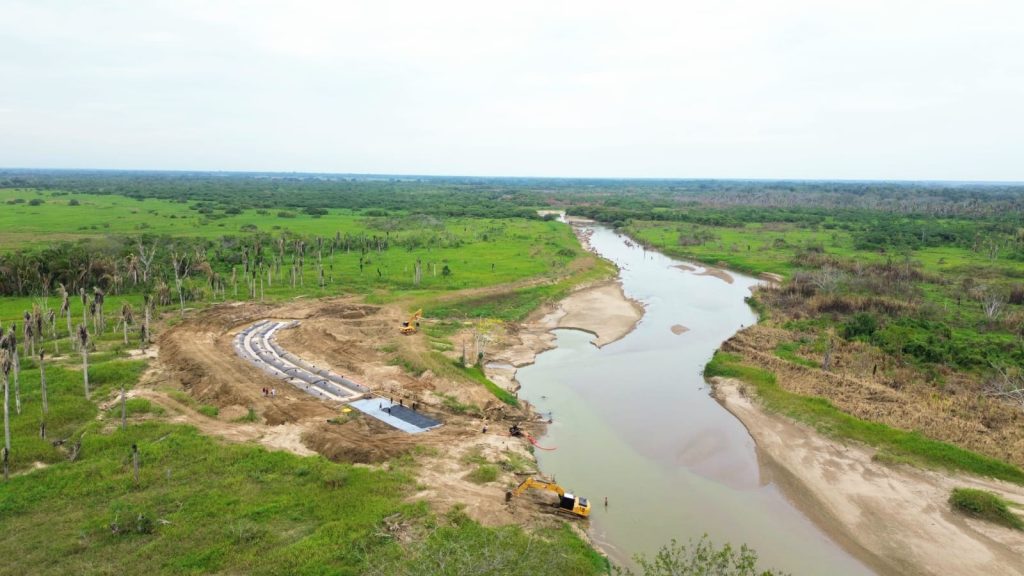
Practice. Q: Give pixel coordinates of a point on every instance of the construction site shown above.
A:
(321, 377)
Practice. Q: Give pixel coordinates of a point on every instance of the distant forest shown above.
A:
(608, 200)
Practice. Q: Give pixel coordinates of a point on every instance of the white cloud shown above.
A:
(728, 88)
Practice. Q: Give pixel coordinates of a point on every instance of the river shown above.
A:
(634, 422)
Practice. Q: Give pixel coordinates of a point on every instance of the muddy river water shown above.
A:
(633, 422)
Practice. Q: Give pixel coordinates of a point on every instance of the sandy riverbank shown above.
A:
(895, 518)
(601, 309)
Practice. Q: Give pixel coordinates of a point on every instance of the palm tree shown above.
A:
(37, 319)
(5, 369)
(83, 340)
(127, 317)
(12, 349)
(51, 317)
(98, 321)
(85, 308)
(147, 308)
(26, 331)
(65, 309)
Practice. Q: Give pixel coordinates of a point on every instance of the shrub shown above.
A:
(985, 506)
(862, 325)
(699, 558)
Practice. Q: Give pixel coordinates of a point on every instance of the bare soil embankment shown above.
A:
(895, 518)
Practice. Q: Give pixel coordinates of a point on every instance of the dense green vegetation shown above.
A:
(891, 442)
(985, 505)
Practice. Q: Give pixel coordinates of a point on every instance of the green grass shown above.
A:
(208, 411)
(517, 463)
(787, 351)
(986, 506)
(476, 374)
(458, 544)
(452, 404)
(250, 416)
(135, 407)
(820, 413)
(483, 474)
(68, 408)
(479, 252)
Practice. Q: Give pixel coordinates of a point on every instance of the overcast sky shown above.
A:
(923, 89)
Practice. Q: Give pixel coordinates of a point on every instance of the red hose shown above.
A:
(534, 442)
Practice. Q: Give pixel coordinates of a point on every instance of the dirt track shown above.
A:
(895, 518)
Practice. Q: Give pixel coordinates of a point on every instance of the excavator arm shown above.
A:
(566, 501)
(412, 324)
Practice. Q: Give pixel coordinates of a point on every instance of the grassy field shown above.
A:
(773, 246)
(454, 253)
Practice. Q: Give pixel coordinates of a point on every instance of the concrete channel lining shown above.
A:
(257, 344)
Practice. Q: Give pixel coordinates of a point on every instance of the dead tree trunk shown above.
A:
(83, 338)
(42, 390)
(5, 369)
(135, 462)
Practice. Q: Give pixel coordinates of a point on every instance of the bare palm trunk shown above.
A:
(85, 369)
(7, 424)
(83, 338)
(17, 383)
(71, 334)
(42, 389)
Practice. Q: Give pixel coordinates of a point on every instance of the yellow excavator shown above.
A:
(567, 502)
(413, 323)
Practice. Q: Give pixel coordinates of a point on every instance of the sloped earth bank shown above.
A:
(896, 515)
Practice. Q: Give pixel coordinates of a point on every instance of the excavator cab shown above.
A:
(411, 325)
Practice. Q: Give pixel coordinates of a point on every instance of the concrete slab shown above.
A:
(400, 417)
